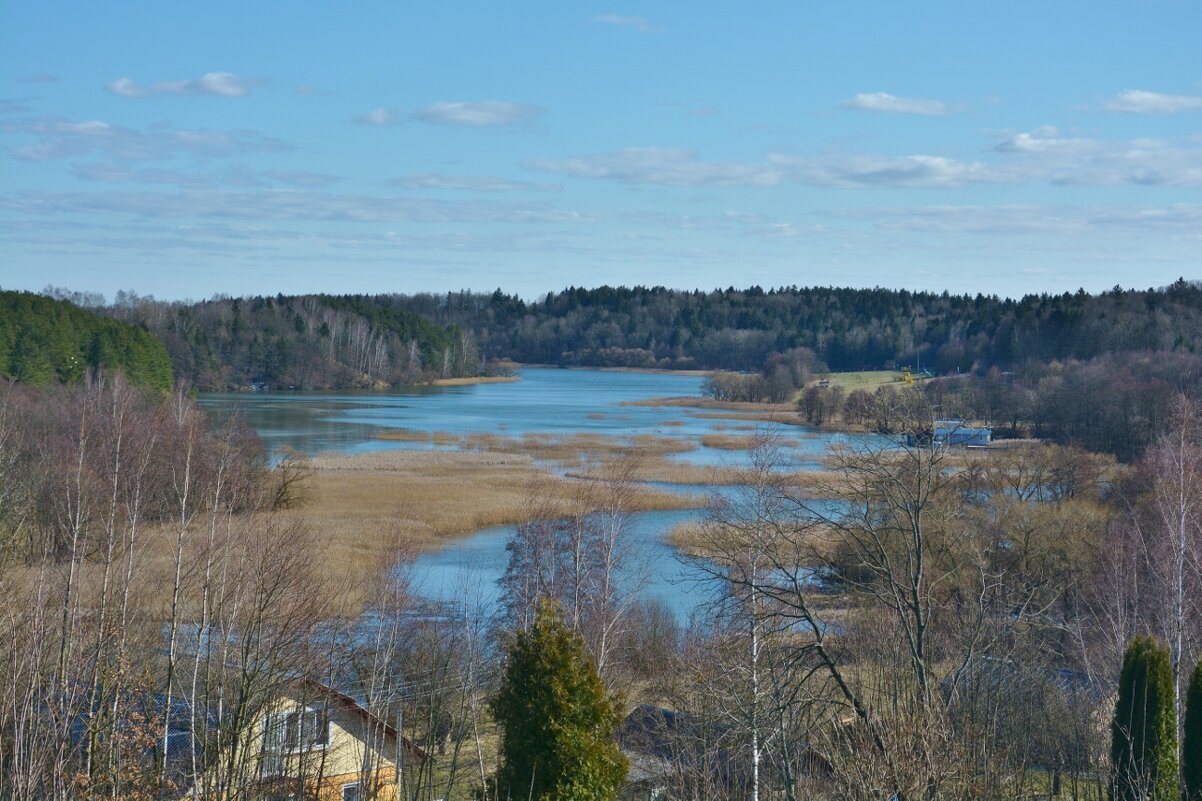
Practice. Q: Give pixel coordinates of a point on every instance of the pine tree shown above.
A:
(1191, 749)
(557, 719)
(1143, 751)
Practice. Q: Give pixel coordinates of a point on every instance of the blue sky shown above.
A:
(183, 150)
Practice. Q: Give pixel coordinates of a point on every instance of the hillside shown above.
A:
(301, 342)
(43, 340)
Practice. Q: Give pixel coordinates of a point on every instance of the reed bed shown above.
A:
(728, 442)
(786, 416)
(426, 497)
(571, 450)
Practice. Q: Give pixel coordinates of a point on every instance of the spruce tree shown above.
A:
(557, 719)
(1191, 747)
(1143, 750)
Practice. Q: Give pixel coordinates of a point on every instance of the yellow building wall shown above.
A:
(356, 751)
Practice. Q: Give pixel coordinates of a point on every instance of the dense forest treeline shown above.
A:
(297, 342)
(327, 341)
(43, 341)
(848, 329)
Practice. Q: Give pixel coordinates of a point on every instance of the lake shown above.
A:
(543, 401)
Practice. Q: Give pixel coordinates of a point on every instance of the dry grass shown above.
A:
(668, 471)
(734, 442)
(691, 538)
(703, 539)
(370, 502)
(868, 380)
(573, 450)
(695, 402)
(734, 427)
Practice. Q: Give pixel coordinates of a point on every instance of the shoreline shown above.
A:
(469, 380)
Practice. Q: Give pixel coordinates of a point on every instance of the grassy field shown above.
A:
(862, 379)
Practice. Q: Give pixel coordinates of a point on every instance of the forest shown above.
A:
(848, 329)
(45, 341)
(326, 341)
(292, 342)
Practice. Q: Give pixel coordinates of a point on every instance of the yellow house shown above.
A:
(318, 743)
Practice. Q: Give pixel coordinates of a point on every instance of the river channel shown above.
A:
(543, 401)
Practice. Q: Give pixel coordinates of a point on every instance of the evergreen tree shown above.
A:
(1191, 749)
(1143, 751)
(557, 720)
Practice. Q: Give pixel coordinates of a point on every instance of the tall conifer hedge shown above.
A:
(1143, 749)
(557, 720)
(1191, 751)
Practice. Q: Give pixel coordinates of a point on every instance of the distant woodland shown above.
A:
(1095, 371)
(848, 329)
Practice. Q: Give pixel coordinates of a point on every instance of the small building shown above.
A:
(951, 434)
(316, 742)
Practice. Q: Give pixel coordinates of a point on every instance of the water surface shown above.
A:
(544, 401)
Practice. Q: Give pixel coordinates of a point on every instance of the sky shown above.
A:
(187, 149)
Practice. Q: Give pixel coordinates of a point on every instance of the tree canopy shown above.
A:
(44, 341)
(557, 719)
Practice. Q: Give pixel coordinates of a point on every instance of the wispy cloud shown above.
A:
(221, 84)
(60, 138)
(1041, 156)
(478, 114)
(379, 117)
(662, 166)
(639, 24)
(285, 204)
(302, 178)
(684, 168)
(858, 171)
(1138, 101)
(891, 104)
(234, 176)
(1031, 219)
(475, 183)
(40, 77)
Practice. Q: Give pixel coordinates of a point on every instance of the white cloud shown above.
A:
(891, 104)
(1045, 139)
(378, 117)
(478, 114)
(476, 183)
(639, 24)
(1138, 101)
(221, 84)
(1045, 156)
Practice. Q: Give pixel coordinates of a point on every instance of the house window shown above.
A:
(350, 792)
(302, 730)
(305, 730)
